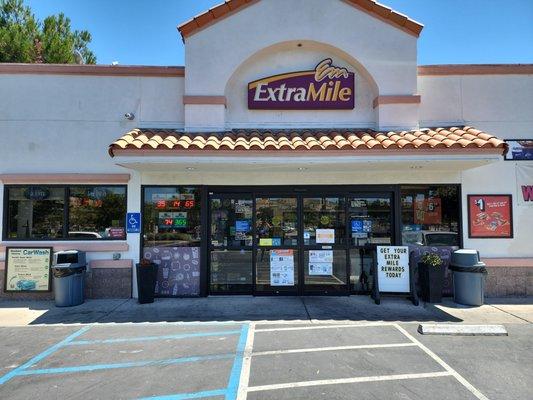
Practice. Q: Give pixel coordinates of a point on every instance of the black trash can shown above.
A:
(69, 277)
(146, 279)
(468, 277)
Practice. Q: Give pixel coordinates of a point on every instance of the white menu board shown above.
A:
(281, 267)
(320, 262)
(393, 269)
(28, 269)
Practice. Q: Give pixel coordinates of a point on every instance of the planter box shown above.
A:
(431, 282)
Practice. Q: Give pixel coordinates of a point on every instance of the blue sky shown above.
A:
(456, 31)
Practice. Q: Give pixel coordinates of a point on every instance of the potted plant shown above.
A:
(431, 275)
(146, 278)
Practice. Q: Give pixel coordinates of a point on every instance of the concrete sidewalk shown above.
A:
(279, 309)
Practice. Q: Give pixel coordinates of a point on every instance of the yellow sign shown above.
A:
(265, 242)
(28, 269)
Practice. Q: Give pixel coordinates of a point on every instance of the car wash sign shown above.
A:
(327, 87)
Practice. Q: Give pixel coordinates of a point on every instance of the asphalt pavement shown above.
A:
(261, 348)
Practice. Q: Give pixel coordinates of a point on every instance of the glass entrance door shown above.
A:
(276, 244)
(299, 244)
(370, 225)
(324, 245)
(231, 244)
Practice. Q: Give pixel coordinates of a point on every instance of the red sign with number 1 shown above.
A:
(490, 216)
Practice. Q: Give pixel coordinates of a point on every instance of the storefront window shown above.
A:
(35, 212)
(97, 212)
(59, 212)
(172, 236)
(430, 215)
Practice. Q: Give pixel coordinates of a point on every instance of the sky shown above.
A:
(143, 32)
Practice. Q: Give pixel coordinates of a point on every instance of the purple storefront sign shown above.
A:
(179, 270)
(327, 87)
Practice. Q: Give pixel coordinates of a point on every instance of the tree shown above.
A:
(24, 39)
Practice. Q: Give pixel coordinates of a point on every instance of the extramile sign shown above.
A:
(326, 87)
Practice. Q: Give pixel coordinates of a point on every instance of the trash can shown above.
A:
(68, 271)
(468, 277)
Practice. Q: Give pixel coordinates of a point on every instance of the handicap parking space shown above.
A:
(124, 383)
(129, 362)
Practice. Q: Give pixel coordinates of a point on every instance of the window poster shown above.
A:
(178, 273)
(28, 269)
(427, 210)
(393, 269)
(490, 216)
(281, 267)
(325, 235)
(320, 262)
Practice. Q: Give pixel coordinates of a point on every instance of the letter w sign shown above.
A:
(524, 183)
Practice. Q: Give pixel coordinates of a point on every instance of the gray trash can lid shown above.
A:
(464, 257)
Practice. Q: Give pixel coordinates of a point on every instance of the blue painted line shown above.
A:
(98, 367)
(235, 376)
(22, 369)
(184, 396)
(149, 338)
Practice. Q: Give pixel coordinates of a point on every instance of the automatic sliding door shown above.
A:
(276, 258)
(324, 245)
(370, 224)
(231, 244)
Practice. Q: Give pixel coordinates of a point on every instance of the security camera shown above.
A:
(130, 116)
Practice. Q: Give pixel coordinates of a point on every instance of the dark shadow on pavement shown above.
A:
(235, 308)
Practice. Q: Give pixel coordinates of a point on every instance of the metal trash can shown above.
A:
(468, 277)
(68, 271)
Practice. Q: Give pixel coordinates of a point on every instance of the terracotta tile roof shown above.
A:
(358, 141)
(371, 7)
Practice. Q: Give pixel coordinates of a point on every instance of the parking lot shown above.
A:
(227, 361)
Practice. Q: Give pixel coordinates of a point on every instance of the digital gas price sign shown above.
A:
(175, 204)
(169, 220)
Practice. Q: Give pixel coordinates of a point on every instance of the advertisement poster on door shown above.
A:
(524, 183)
(281, 267)
(321, 262)
(490, 216)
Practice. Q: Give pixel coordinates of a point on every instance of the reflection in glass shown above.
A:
(325, 267)
(323, 213)
(370, 220)
(231, 270)
(276, 222)
(97, 212)
(172, 216)
(231, 222)
(35, 212)
(430, 215)
(361, 276)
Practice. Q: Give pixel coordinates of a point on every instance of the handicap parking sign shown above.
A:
(133, 222)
